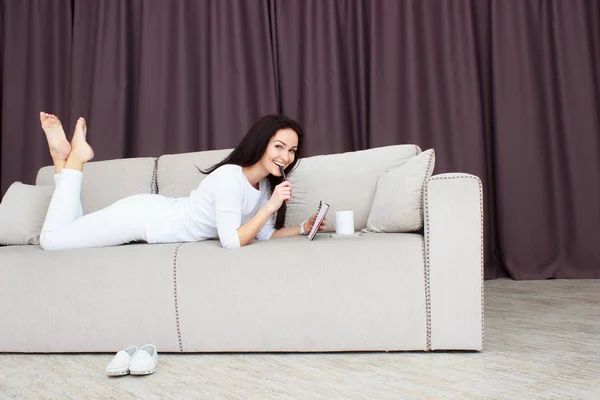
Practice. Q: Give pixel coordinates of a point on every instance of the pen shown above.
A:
(283, 173)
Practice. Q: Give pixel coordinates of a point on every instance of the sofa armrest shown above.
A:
(453, 228)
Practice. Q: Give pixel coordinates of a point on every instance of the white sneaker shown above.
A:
(119, 365)
(144, 361)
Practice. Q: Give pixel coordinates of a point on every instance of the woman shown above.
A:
(236, 202)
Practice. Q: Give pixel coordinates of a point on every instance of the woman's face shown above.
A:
(281, 150)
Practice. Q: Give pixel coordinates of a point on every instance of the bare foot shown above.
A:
(55, 134)
(80, 147)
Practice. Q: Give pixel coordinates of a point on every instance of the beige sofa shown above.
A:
(420, 290)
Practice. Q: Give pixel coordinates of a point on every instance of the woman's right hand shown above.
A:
(282, 192)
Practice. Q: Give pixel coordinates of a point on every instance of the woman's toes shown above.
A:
(55, 135)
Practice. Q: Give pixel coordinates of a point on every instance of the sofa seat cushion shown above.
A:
(366, 292)
(89, 300)
(105, 182)
(344, 181)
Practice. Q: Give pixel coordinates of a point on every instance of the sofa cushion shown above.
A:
(345, 181)
(87, 300)
(105, 182)
(177, 174)
(22, 213)
(397, 206)
(363, 293)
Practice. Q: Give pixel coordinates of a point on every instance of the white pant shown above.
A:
(124, 221)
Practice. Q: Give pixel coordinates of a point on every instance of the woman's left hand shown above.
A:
(308, 225)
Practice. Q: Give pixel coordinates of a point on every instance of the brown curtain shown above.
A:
(156, 77)
(36, 70)
(546, 116)
(506, 90)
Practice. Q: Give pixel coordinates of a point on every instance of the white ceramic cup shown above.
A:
(344, 222)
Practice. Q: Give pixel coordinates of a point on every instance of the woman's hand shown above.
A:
(282, 192)
(308, 225)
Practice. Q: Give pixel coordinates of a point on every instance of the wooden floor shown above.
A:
(542, 341)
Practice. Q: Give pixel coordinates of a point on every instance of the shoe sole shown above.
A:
(142, 372)
(117, 373)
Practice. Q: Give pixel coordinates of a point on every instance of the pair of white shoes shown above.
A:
(134, 361)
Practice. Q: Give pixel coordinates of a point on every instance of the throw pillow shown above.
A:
(22, 213)
(397, 202)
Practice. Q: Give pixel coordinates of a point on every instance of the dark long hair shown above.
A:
(253, 146)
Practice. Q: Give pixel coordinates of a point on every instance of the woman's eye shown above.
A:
(277, 146)
(292, 151)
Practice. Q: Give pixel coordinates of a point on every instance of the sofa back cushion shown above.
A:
(345, 181)
(105, 182)
(177, 175)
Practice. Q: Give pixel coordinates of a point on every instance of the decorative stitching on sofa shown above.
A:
(482, 257)
(481, 231)
(431, 157)
(423, 206)
(427, 285)
(427, 299)
(154, 183)
(175, 296)
(417, 150)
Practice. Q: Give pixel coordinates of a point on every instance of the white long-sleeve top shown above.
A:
(222, 203)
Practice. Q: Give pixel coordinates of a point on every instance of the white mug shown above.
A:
(344, 222)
